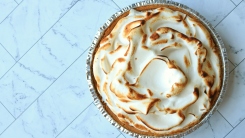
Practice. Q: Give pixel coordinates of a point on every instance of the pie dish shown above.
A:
(157, 68)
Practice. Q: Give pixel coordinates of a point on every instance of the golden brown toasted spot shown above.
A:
(187, 62)
(121, 60)
(188, 32)
(121, 115)
(171, 64)
(141, 127)
(114, 51)
(108, 102)
(113, 89)
(142, 22)
(166, 48)
(209, 65)
(204, 74)
(152, 16)
(126, 110)
(128, 84)
(151, 105)
(98, 86)
(177, 87)
(170, 111)
(175, 44)
(213, 92)
(116, 62)
(97, 78)
(154, 36)
(129, 27)
(133, 51)
(184, 37)
(192, 114)
(144, 38)
(119, 81)
(104, 40)
(133, 95)
(196, 92)
(129, 66)
(125, 118)
(212, 45)
(202, 53)
(178, 18)
(145, 47)
(133, 25)
(164, 30)
(161, 9)
(199, 67)
(185, 24)
(126, 53)
(148, 13)
(209, 82)
(172, 37)
(150, 92)
(133, 109)
(167, 95)
(104, 61)
(204, 106)
(196, 95)
(139, 16)
(107, 94)
(162, 41)
(185, 17)
(111, 35)
(124, 100)
(104, 47)
(194, 40)
(180, 114)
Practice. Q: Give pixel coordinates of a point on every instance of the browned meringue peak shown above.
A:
(133, 106)
(170, 85)
(161, 120)
(157, 70)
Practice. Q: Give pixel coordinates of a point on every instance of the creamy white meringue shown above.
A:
(157, 70)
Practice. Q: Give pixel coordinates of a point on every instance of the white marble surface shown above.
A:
(6, 61)
(43, 49)
(6, 118)
(6, 6)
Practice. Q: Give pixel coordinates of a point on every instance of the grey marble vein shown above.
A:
(50, 78)
(25, 124)
(65, 37)
(51, 54)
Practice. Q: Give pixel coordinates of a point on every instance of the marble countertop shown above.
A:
(43, 49)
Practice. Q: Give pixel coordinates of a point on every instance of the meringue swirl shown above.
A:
(157, 70)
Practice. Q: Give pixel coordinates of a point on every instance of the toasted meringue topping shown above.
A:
(157, 70)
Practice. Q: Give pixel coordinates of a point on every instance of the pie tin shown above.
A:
(216, 37)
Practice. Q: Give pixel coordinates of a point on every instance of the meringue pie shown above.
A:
(157, 70)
